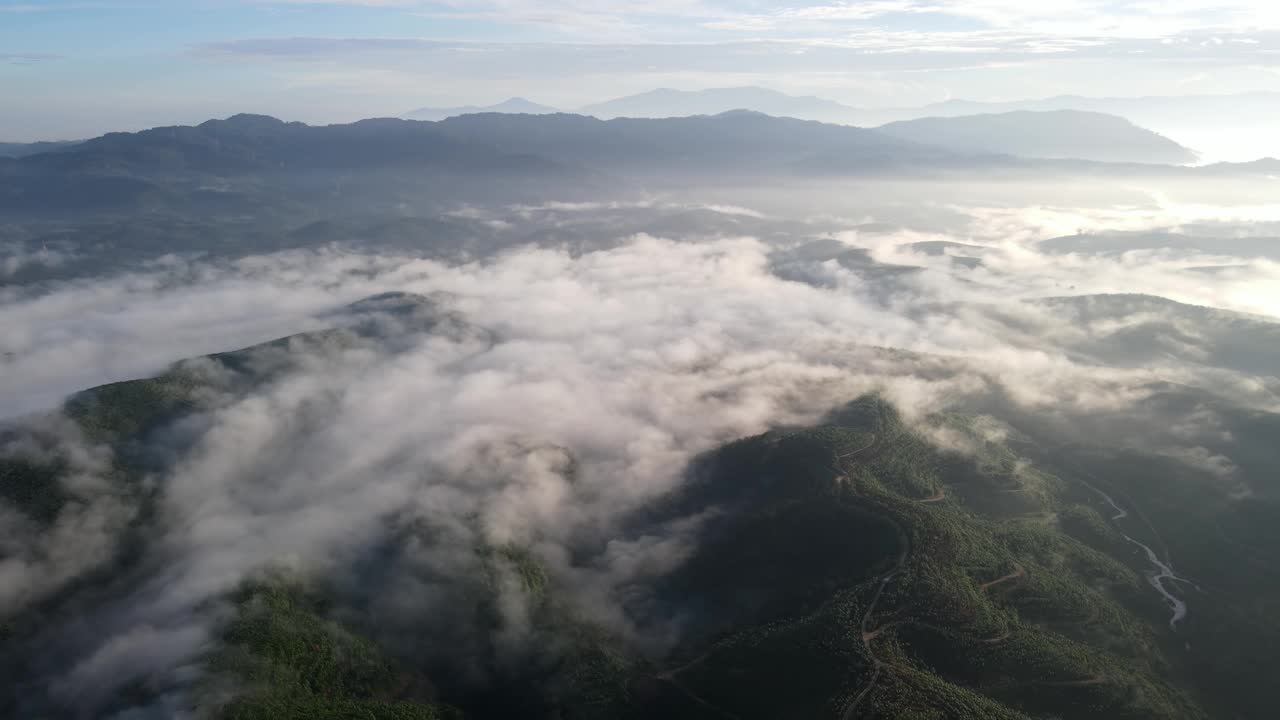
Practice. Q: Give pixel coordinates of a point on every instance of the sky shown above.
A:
(77, 68)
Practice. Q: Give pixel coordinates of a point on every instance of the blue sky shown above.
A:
(72, 68)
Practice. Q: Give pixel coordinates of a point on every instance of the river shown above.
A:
(1160, 570)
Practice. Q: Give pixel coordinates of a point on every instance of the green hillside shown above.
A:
(915, 588)
(850, 569)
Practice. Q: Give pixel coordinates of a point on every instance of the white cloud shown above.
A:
(630, 359)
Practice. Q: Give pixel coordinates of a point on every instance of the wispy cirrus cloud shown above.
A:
(667, 19)
(296, 57)
(874, 67)
(294, 47)
(873, 49)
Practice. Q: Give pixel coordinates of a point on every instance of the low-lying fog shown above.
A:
(564, 261)
(629, 336)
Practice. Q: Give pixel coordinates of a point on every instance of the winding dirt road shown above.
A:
(868, 636)
(1018, 572)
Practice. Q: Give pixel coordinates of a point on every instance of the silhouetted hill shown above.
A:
(247, 143)
(1185, 110)
(17, 150)
(1263, 166)
(1119, 242)
(258, 164)
(1053, 134)
(254, 164)
(487, 142)
(1234, 126)
(735, 140)
(666, 102)
(514, 105)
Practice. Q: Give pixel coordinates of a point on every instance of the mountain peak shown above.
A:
(740, 113)
(246, 123)
(248, 120)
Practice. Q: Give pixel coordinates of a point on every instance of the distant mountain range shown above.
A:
(1227, 110)
(485, 142)
(669, 103)
(240, 162)
(1236, 127)
(511, 105)
(735, 141)
(245, 143)
(666, 102)
(1251, 109)
(1049, 134)
(1195, 120)
(15, 150)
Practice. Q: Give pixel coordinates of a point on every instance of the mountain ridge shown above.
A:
(514, 105)
(1057, 134)
(669, 102)
(222, 164)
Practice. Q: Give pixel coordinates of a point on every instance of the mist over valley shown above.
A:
(697, 403)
